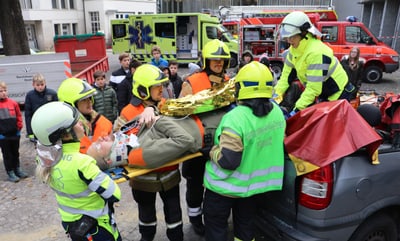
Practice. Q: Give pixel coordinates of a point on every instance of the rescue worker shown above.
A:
(79, 94)
(312, 62)
(85, 195)
(247, 159)
(216, 58)
(147, 90)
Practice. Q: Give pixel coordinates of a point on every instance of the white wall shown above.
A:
(43, 16)
(108, 9)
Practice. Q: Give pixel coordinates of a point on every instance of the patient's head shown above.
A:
(100, 150)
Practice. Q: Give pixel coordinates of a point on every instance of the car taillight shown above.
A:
(316, 188)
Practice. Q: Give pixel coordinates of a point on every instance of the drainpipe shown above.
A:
(84, 15)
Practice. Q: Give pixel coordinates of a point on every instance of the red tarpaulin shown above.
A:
(325, 132)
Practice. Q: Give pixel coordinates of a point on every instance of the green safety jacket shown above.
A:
(81, 188)
(261, 165)
(318, 70)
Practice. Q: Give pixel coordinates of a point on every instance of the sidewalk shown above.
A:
(29, 210)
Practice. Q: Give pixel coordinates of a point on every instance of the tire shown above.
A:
(380, 227)
(277, 68)
(233, 61)
(373, 74)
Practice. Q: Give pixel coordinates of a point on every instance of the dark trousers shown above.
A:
(217, 209)
(193, 172)
(97, 233)
(147, 212)
(10, 150)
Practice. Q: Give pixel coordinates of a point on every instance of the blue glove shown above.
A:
(293, 112)
(18, 133)
(2, 137)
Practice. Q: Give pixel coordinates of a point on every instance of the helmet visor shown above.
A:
(48, 156)
(286, 31)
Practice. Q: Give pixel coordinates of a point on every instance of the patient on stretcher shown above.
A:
(168, 139)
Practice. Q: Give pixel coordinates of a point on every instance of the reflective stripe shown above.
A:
(73, 196)
(148, 224)
(287, 62)
(318, 67)
(154, 177)
(238, 239)
(92, 213)
(194, 212)
(244, 177)
(240, 189)
(318, 78)
(322, 67)
(173, 225)
(96, 183)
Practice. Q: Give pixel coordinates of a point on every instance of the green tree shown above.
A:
(12, 28)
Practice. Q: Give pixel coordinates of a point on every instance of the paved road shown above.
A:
(29, 210)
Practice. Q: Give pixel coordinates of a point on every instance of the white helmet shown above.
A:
(53, 119)
(297, 22)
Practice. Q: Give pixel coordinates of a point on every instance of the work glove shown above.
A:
(2, 137)
(277, 98)
(293, 112)
(290, 114)
(18, 133)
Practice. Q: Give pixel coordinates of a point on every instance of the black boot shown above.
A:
(197, 224)
(175, 234)
(147, 232)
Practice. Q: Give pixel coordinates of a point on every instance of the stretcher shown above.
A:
(124, 173)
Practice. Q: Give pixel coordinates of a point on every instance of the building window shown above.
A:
(57, 29)
(63, 4)
(74, 27)
(66, 29)
(95, 21)
(26, 4)
(71, 4)
(54, 4)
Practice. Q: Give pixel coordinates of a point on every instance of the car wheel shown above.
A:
(380, 227)
(372, 74)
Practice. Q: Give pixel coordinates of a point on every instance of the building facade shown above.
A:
(46, 19)
(382, 17)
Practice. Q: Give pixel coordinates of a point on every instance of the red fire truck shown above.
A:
(258, 34)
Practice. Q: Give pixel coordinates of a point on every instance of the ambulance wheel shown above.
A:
(233, 61)
(372, 74)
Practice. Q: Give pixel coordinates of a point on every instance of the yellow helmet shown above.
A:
(254, 80)
(297, 22)
(73, 90)
(216, 49)
(146, 76)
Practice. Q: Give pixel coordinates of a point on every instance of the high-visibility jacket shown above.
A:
(262, 155)
(200, 81)
(99, 126)
(81, 188)
(317, 68)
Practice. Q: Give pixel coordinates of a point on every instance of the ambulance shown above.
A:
(179, 35)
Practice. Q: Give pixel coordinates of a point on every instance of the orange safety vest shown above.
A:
(200, 81)
(129, 112)
(101, 126)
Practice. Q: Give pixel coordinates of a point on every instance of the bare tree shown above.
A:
(12, 28)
